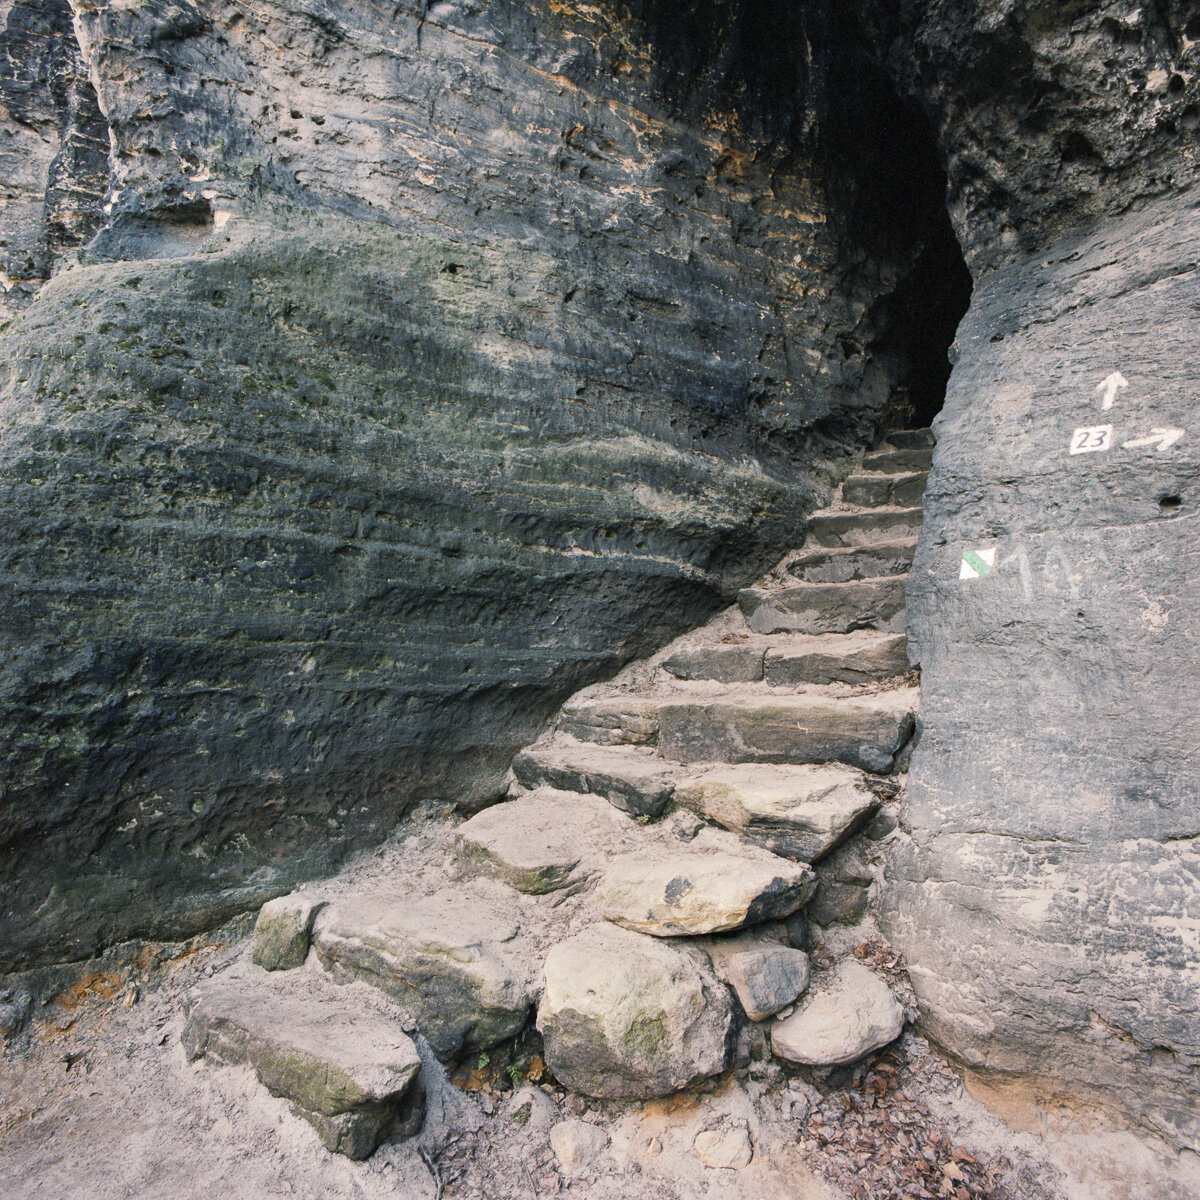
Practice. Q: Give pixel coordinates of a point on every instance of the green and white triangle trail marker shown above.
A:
(977, 564)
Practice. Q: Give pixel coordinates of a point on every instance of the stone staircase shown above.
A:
(648, 889)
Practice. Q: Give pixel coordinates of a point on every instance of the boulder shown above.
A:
(451, 959)
(764, 978)
(801, 812)
(849, 1012)
(283, 931)
(625, 1015)
(351, 1074)
(698, 891)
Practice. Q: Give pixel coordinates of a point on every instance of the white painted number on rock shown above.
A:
(977, 564)
(1091, 438)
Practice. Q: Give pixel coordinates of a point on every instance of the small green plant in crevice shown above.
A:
(515, 1074)
(483, 1061)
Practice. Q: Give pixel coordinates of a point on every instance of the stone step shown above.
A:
(720, 662)
(632, 778)
(454, 959)
(832, 528)
(842, 565)
(911, 439)
(862, 731)
(894, 462)
(860, 657)
(880, 491)
(610, 721)
(545, 840)
(827, 607)
(799, 812)
(351, 1074)
(694, 891)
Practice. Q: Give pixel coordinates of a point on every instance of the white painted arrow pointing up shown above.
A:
(1163, 438)
(1111, 386)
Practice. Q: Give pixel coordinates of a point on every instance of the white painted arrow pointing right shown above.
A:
(1163, 438)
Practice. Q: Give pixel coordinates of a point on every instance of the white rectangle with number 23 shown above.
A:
(1090, 438)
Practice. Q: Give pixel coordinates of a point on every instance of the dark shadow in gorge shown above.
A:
(805, 86)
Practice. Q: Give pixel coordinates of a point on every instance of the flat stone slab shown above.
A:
(849, 1012)
(351, 1074)
(624, 1015)
(827, 607)
(860, 657)
(632, 778)
(863, 731)
(863, 528)
(691, 892)
(801, 812)
(611, 720)
(872, 491)
(722, 663)
(911, 439)
(544, 840)
(840, 565)
(450, 959)
(901, 459)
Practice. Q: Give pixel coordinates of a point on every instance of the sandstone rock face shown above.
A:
(1046, 895)
(431, 361)
(623, 1014)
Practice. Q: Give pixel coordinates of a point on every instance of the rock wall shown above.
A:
(1046, 894)
(430, 361)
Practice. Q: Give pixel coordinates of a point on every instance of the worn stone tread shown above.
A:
(631, 778)
(826, 607)
(859, 657)
(544, 840)
(611, 720)
(694, 891)
(453, 959)
(876, 491)
(840, 565)
(911, 439)
(863, 527)
(350, 1073)
(798, 811)
(748, 726)
(898, 460)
